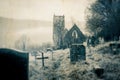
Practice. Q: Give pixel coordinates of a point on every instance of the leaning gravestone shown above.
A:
(13, 65)
(77, 52)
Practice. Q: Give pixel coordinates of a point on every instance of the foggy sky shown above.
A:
(43, 9)
(32, 11)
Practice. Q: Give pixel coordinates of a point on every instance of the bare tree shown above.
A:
(22, 43)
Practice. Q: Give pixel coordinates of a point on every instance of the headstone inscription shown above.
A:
(13, 65)
(77, 52)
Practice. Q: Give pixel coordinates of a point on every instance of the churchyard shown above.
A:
(79, 62)
(99, 64)
(60, 40)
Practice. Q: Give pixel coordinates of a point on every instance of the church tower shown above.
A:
(58, 28)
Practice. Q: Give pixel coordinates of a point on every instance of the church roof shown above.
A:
(69, 34)
(75, 27)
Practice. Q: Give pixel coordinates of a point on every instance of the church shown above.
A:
(74, 36)
(62, 38)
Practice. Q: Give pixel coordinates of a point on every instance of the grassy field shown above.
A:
(60, 67)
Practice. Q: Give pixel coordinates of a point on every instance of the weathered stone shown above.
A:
(77, 52)
(13, 65)
(58, 31)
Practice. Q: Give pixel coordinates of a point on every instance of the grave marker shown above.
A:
(13, 64)
(115, 47)
(50, 50)
(98, 71)
(77, 52)
(43, 59)
(35, 54)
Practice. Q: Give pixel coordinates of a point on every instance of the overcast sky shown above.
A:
(43, 10)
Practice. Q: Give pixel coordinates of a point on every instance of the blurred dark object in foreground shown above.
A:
(13, 64)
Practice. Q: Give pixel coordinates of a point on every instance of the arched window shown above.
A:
(75, 34)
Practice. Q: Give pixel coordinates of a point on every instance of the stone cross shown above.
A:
(42, 58)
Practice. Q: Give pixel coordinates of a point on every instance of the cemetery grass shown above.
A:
(60, 67)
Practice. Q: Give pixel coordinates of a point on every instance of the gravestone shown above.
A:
(35, 54)
(13, 65)
(98, 71)
(50, 50)
(115, 48)
(77, 52)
